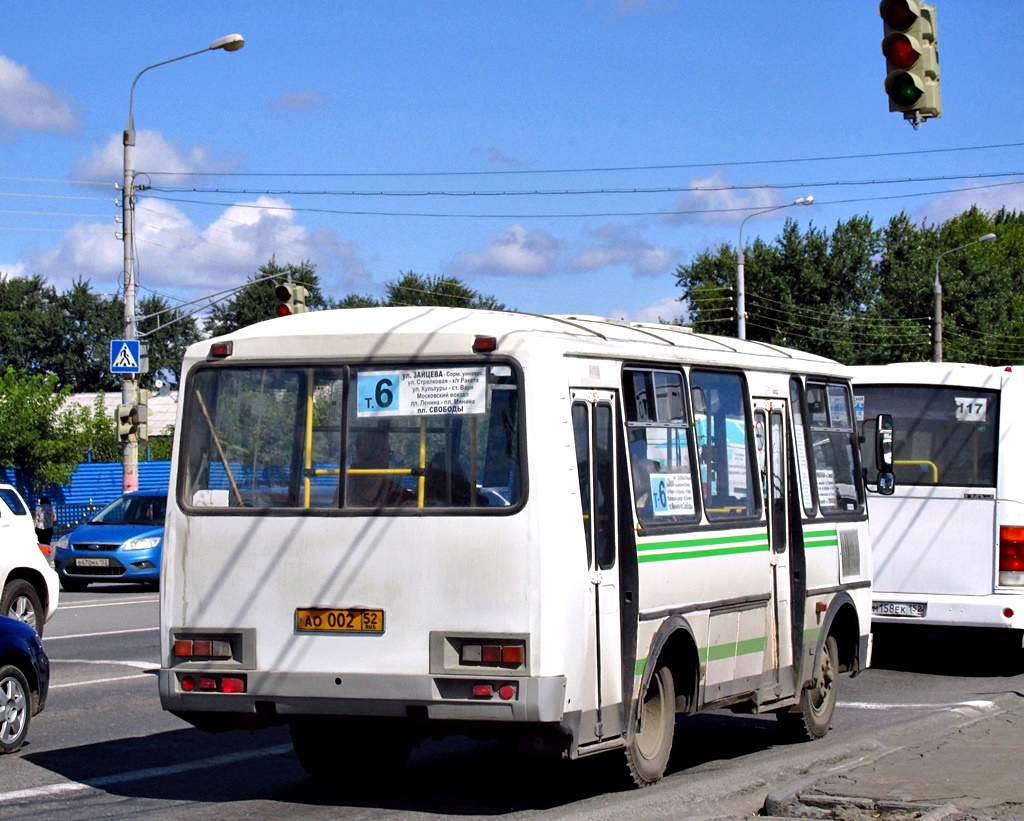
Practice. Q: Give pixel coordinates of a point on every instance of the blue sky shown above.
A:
(563, 156)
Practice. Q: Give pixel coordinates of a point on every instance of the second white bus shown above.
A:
(390, 524)
(949, 543)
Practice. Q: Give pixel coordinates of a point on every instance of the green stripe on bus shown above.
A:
(819, 537)
(732, 649)
(702, 547)
(718, 652)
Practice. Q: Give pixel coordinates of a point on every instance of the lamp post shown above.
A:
(129, 385)
(741, 307)
(937, 303)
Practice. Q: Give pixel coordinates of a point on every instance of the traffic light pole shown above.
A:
(129, 385)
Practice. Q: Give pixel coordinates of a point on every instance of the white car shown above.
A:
(30, 585)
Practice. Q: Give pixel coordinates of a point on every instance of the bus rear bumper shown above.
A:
(267, 699)
(999, 610)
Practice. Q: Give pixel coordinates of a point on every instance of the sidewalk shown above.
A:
(975, 771)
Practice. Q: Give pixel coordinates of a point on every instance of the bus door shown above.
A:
(594, 429)
(770, 438)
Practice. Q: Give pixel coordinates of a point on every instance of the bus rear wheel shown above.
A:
(811, 718)
(648, 750)
(348, 752)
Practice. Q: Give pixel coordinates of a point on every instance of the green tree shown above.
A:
(101, 438)
(167, 333)
(434, 291)
(87, 324)
(43, 436)
(864, 295)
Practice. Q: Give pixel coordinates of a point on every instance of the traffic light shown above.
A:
(141, 417)
(291, 299)
(123, 422)
(910, 46)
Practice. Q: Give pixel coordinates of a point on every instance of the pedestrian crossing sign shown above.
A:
(124, 356)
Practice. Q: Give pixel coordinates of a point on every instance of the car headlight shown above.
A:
(61, 543)
(142, 544)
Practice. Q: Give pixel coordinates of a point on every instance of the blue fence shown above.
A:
(93, 486)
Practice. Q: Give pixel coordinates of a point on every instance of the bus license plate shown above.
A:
(327, 620)
(92, 562)
(910, 610)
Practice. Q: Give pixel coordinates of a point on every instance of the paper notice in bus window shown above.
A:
(210, 498)
(805, 472)
(672, 494)
(422, 391)
(971, 409)
(826, 488)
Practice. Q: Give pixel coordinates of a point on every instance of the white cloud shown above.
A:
(718, 202)
(518, 252)
(667, 309)
(28, 105)
(621, 245)
(986, 198)
(152, 153)
(306, 100)
(177, 256)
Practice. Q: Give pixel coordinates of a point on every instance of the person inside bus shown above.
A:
(642, 468)
(373, 452)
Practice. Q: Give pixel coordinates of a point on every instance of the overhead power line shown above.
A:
(594, 169)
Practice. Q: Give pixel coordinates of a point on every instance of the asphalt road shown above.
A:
(104, 748)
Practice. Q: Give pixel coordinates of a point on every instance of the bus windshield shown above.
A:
(426, 436)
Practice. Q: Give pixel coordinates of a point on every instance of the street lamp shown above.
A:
(937, 304)
(741, 308)
(129, 385)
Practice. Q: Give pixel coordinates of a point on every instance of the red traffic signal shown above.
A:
(291, 299)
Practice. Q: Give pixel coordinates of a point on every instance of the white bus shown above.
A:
(395, 523)
(949, 544)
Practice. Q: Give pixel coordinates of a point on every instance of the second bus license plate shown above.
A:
(910, 610)
(330, 620)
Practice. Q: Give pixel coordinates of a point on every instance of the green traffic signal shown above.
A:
(904, 89)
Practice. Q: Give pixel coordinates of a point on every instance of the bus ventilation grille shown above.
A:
(849, 552)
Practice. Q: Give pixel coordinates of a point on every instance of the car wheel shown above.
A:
(15, 708)
(73, 585)
(21, 601)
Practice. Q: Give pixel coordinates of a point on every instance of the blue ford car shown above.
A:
(121, 543)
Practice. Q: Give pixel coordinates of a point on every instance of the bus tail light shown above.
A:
(189, 649)
(212, 683)
(1011, 555)
(501, 654)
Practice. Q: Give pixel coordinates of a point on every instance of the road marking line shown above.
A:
(108, 633)
(868, 705)
(140, 775)
(64, 607)
(99, 681)
(142, 665)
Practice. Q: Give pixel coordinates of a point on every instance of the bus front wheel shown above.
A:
(811, 717)
(648, 750)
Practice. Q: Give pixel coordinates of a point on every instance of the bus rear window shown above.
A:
(943, 435)
(437, 436)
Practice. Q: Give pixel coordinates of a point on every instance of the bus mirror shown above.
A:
(886, 481)
(883, 442)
